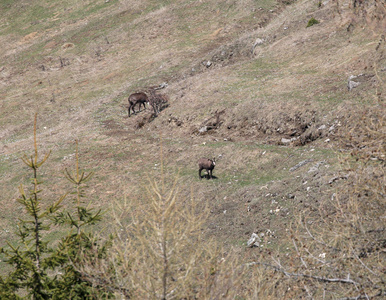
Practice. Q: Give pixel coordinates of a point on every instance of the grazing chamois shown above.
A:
(208, 165)
(137, 98)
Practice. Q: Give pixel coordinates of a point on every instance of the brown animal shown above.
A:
(208, 165)
(137, 98)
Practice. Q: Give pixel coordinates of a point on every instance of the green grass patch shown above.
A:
(266, 4)
(254, 176)
(312, 22)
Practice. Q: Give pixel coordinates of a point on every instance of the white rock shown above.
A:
(203, 129)
(286, 141)
(322, 127)
(352, 84)
(254, 241)
(258, 41)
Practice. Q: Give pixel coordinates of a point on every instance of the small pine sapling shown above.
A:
(33, 257)
(41, 268)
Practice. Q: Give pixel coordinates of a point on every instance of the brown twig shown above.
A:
(103, 283)
(289, 274)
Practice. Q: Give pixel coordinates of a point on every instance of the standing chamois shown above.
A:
(136, 98)
(208, 165)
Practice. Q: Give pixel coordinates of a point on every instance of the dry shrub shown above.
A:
(367, 137)
(159, 251)
(158, 101)
(370, 12)
(168, 257)
(338, 252)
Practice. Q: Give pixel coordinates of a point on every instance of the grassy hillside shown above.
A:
(278, 87)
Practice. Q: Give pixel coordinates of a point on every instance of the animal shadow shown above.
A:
(208, 177)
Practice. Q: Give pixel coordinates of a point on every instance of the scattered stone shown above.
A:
(322, 127)
(316, 166)
(291, 196)
(270, 233)
(287, 141)
(254, 241)
(208, 64)
(162, 85)
(351, 83)
(258, 42)
(203, 129)
(302, 163)
(174, 120)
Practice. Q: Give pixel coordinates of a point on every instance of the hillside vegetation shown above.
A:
(288, 96)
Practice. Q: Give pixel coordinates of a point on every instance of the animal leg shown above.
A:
(199, 173)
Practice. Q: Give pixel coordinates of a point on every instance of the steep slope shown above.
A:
(270, 91)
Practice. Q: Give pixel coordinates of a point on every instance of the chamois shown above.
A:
(136, 98)
(208, 165)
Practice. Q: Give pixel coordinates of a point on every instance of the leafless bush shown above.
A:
(158, 101)
(338, 252)
(159, 251)
(367, 137)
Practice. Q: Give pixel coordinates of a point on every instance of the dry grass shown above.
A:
(78, 64)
